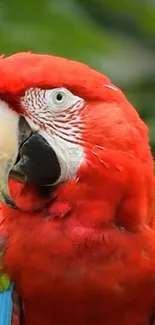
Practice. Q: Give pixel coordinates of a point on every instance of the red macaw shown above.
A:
(79, 208)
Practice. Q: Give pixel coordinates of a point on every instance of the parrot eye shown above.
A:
(50, 100)
(60, 99)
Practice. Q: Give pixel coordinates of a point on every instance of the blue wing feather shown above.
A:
(6, 306)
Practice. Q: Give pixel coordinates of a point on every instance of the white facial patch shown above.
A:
(69, 154)
(55, 114)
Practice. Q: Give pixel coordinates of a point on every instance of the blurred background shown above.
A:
(116, 37)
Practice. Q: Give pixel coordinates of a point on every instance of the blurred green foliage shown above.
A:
(116, 37)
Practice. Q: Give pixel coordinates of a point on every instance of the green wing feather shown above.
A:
(4, 279)
(4, 282)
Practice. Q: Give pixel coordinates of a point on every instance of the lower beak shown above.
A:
(24, 155)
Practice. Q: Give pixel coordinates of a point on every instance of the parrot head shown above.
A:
(65, 126)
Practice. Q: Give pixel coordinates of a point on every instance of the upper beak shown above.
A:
(9, 121)
(24, 155)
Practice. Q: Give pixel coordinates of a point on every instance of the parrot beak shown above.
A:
(10, 139)
(24, 154)
(8, 148)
